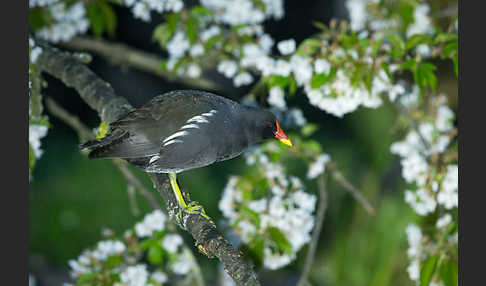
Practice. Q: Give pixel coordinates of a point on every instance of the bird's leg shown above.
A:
(191, 208)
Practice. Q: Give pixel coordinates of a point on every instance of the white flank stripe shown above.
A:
(190, 126)
(172, 141)
(154, 158)
(177, 134)
(198, 119)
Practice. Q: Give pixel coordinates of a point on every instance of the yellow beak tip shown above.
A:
(286, 142)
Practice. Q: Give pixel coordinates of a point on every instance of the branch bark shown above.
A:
(99, 95)
(125, 55)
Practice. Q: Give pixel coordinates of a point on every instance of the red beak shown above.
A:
(281, 136)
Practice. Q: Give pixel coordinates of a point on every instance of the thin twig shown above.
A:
(132, 199)
(127, 56)
(132, 179)
(321, 212)
(338, 176)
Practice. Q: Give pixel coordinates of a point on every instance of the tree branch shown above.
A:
(321, 212)
(100, 96)
(124, 55)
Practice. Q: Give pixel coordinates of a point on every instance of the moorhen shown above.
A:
(183, 130)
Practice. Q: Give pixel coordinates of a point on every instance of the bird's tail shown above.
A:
(100, 147)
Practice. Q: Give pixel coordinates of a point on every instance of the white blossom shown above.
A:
(414, 270)
(276, 98)
(228, 68)
(68, 22)
(274, 261)
(286, 47)
(318, 166)
(322, 66)
(357, 13)
(34, 54)
(135, 275)
(422, 23)
(108, 248)
(178, 45)
(448, 195)
(41, 3)
(196, 50)
(154, 221)
(209, 33)
(159, 277)
(421, 201)
(443, 221)
(171, 242)
(243, 78)
(36, 133)
(193, 70)
(182, 265)
(304, 200)
(298, 117)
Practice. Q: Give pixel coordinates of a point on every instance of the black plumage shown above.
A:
(185, 129)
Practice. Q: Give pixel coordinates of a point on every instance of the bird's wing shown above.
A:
(193, 145)
(148, 127)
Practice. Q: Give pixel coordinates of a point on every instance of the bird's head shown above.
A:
(262, 124)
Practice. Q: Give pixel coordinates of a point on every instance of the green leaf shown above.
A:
(450, 49)
(320, 26)
(147, 243)
(398, 46)
(278, 80)
(191, 30)
(416, 40)
(155, 254)
(95, 17)
(308, 47)
(31, 159)
(198, 11)
(427, 76)
(212, 41)
(406, 12)
(252, 214)
(86, 279)
(428, 270)
(318, 80)
(109, 18)
(112, 262)
(448, 273)
(445, 37)
(309, 129)
(38, 18)
(280, 239)
(292, 86)
(312, 145)
(376, 46)
(256, 248)
(162, 34)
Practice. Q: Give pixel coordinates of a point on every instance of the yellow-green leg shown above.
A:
(191, 208)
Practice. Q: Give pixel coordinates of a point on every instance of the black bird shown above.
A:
(183, 130)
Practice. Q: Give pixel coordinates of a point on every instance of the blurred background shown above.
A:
(73, 199)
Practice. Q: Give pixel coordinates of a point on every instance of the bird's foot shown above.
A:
(193, 208)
